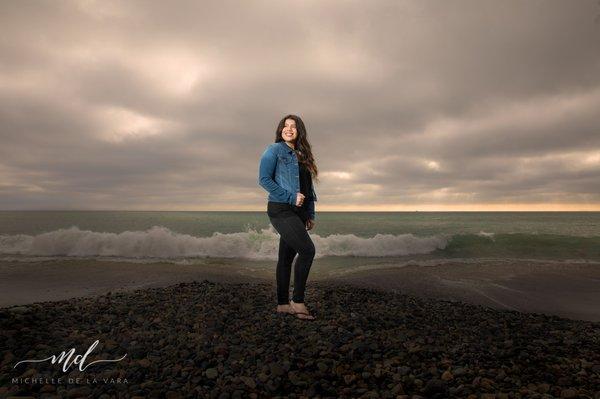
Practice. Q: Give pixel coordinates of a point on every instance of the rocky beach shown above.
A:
(225, 340)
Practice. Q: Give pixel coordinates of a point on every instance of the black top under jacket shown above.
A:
(280, 209)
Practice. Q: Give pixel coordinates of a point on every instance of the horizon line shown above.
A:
(324, 211)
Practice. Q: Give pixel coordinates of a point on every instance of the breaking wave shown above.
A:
(161, 243)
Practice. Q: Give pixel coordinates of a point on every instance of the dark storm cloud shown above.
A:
(155, 105)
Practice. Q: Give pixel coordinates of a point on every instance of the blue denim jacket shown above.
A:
(279, 173)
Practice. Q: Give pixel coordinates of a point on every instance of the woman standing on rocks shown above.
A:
(286, 171)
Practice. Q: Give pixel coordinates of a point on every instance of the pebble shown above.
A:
(212, 373)
(447, 375)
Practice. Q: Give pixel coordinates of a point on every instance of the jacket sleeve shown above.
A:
(311, 209)
(266, 171)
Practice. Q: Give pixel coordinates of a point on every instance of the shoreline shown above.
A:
(570, 291)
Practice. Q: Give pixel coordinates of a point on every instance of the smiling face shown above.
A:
(289, 132)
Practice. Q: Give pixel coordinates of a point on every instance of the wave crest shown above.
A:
(162, 243)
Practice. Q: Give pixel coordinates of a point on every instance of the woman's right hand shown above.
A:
(299, 199)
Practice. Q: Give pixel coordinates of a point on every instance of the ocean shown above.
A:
(344, 241)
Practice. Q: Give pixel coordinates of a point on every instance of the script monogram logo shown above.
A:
(65, 358)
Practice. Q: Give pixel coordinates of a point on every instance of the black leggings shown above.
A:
(294, 239)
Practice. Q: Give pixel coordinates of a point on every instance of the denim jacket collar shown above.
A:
(285, 146)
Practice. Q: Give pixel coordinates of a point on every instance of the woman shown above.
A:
(286, 171)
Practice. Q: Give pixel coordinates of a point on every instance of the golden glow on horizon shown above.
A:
(402, 208)
(465, 208)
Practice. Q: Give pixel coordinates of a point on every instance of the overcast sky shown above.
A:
(409, 105)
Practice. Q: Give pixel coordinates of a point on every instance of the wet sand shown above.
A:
(24, 283)
(565, 290)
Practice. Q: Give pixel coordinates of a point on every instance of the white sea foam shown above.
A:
(162, 243)
(486, 234)
(379, 245)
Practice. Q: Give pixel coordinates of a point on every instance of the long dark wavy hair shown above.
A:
(303, 149)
